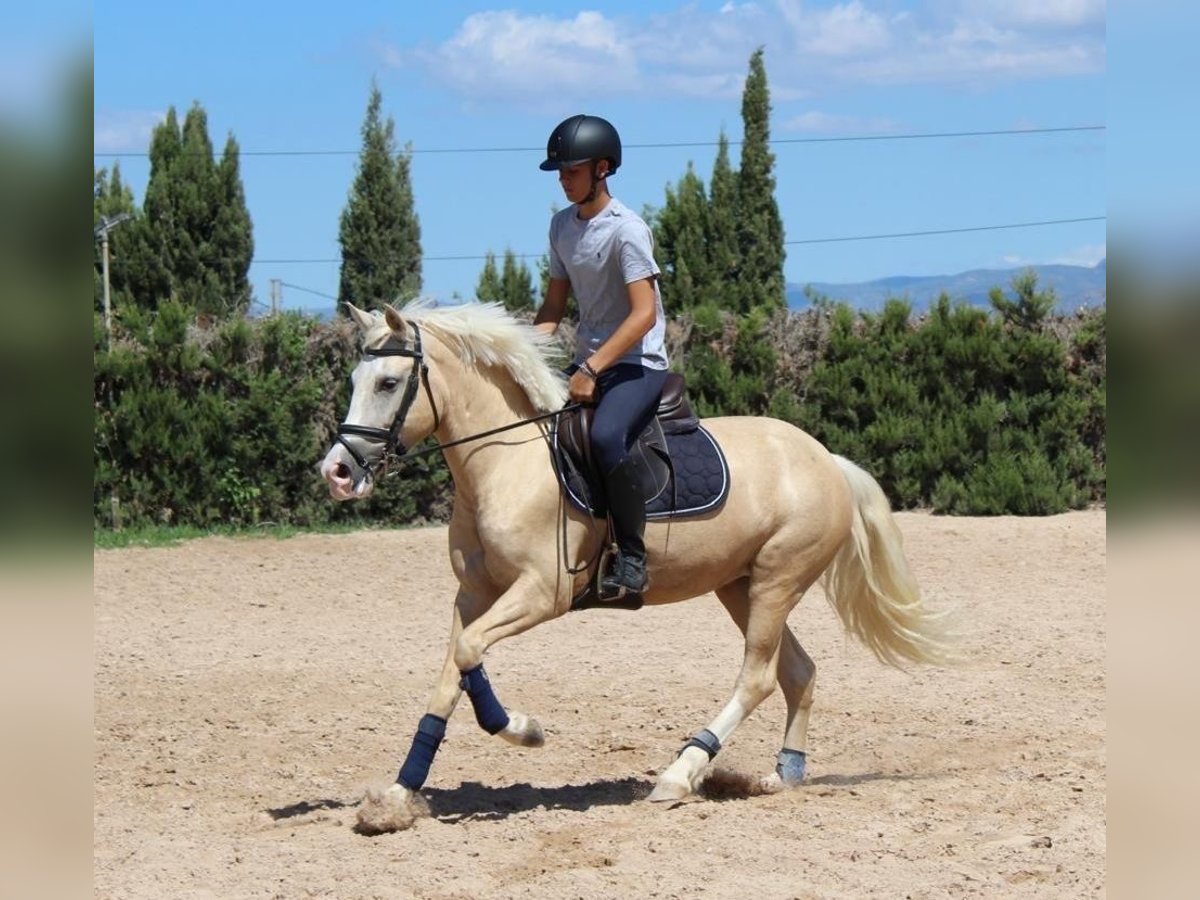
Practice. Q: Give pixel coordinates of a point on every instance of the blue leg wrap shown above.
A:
(488, 712)
(430, 731)
(706, 741)
(790, 766)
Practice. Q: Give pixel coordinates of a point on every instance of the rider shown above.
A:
(604, 253)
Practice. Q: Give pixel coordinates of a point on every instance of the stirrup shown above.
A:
(623, 591)
(590, 596)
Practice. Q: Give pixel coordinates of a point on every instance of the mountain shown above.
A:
(1075, 286)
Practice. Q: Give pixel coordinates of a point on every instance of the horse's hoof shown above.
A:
(523, 731)
(669, 791)
(791, 766)
(392, 809)
(772, 784)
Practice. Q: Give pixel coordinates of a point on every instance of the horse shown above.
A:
(484, 384)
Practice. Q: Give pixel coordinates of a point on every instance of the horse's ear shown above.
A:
(361, 316)
(394, 320)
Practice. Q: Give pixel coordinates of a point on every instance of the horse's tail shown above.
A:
(872, 588)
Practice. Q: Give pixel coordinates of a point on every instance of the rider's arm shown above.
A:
(554, 307)
(642, 314)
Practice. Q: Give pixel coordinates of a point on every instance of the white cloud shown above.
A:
(505, 54)
(120, 131)
(690, 51)
(817, 122)
(844, 30)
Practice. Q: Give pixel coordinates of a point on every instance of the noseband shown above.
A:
(390, 437)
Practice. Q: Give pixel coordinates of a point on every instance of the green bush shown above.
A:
(966, 412)
(225, 425)
(963, 411)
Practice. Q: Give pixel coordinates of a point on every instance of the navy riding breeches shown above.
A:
(627, 399)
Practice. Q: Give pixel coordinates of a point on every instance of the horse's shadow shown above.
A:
(475, 801)
(865, 778)
(481, 802)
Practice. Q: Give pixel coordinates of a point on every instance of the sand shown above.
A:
(248, 691)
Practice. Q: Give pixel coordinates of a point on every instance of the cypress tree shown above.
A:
(516, 284)
(379, 232)
(723, 253)
(681, 243)
(111, 197)
(154, 235)
(488, 289)
(233, 237)
(760, 230)
(192, 182)
(194, 241)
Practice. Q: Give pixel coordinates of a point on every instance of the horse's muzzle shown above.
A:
(346, 479)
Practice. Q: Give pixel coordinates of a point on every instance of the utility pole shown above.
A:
(276, 295)
(106, 225)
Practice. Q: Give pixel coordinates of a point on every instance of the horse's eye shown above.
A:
(388, 384)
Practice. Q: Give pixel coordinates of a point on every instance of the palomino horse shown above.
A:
(794, 513)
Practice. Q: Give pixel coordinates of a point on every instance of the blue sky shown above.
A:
(495, 79)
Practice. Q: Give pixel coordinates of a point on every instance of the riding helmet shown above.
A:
(581, 138)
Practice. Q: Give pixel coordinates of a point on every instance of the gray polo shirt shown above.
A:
(600, 256)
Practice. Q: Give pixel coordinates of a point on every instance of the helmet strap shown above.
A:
(596, 179)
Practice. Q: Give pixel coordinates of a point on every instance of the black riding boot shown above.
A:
(627, 507)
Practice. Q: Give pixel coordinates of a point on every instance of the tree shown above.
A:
(111, 197)
(233, 231)
(516, 284)
(681, 241)
(379, 232)
(760, 229)
(488, 289)
(723, 251)
(512, 285)
(194, 242)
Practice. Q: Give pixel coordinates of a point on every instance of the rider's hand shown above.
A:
(582, 387)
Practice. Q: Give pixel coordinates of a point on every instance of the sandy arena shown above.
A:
(248, 691)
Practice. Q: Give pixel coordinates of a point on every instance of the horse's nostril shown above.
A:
(342, 471)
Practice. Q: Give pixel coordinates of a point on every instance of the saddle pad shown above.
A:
(699, 482)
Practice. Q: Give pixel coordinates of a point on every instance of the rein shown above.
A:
(412, 454)
(418, 375)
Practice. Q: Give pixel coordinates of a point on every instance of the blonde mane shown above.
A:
(487, 334)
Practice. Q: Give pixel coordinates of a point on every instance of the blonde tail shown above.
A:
(872, 588)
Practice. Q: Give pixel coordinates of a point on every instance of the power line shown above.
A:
(820, 240)
(904, 234)
(297, 287)
(927, 135)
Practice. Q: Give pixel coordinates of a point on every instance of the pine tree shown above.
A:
(379, 232)
(760, 230)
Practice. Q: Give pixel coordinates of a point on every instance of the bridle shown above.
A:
(390, 437)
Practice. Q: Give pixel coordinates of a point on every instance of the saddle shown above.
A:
(682, 469)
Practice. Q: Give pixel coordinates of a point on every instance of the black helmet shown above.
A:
(580, 138)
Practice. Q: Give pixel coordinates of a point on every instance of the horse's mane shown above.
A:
(487, 334)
